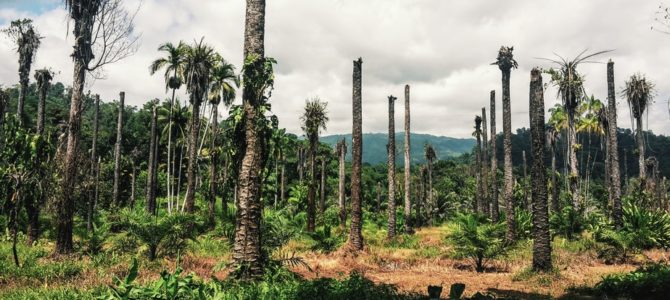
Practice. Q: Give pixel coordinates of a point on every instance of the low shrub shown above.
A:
(477, 239)
(647, 282)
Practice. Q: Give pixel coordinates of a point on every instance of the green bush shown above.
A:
(647, 282)
(568, 222)
(477, 239)
(523, 222)
(325, 240)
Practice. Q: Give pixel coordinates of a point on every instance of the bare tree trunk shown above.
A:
(613, 148)
(247, 246)
(574, 167)
(342, 152)
(132, 187)
(554, 184)
(478, 206)
(311, 193)
(322, 194)
(355, 235)
(407, 212)
(117, 152)
(541, 237)
(94, 158)
(508, 191)
(486, 209)
(214, 161)
(524, 182)
(494, 162)
(640, 148)
(151, 179)
(391, 169)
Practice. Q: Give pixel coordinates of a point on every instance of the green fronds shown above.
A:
(639, 92)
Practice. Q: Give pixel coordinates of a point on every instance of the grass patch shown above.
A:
(541, 278)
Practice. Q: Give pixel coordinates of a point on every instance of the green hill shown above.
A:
(374, 146)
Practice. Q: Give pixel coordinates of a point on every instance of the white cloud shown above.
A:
(443, 49)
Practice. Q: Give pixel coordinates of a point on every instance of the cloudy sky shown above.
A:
(443, 49)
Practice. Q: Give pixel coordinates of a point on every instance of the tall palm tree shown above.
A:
(430, 155)
(173, 63)
(494, 161)
(198, 65)
(408, 166)
(639, 93)
(506, 63)
(541, 237)
(174, 121)
(478, 205)
(313, 120)
(591, 122)
(553, 135)
(570, 86)
(341, 154)
(151, 172)
(613, 149)
(27, 40)
(43, 78)
(257, 79)
(486, 209)
(391, 169)
(117, 150)
(355, 235)
(222, 89)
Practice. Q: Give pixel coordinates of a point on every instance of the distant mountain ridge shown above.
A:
(374, 146)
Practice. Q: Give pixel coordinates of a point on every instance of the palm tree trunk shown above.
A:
(322, 194)
(555, 205)
(132, 187)
(355, 235)
(342, 152)
(311, 193)
(391, 170)
(486, 209)
(192, 168)
(170, 162)
(494, 161)
(408, 163)
(508, 191)
(117, 151)
(24, 80)
(151, 179)
(431, 204)
(33, 205)
(541, 237)
(65, 203)
(214, 161)
(640, 148)
(247, 246)
(94, 157)
(478, 206)
(613, 148)
(524, 181)
(574, 167)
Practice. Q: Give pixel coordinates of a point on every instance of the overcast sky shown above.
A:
(443, 49)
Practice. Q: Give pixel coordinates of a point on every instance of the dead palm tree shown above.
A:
(408, 164)
(151, 172)
(494, 161)
(486, 208)
(541, 237)
(431, 156)
(613, 149)
(355, 235)
(27, 40)
(173, 63)
(341, 154)
(223, 82)
(199, 63)
(639, 93)
(94, 165)
(506, 63)
(391, 169)
(313, 120)
(570, 85)
(478, 205)
(117, 150)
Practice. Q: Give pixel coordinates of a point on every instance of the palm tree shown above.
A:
(391, 169)
(570, 86)
(355, 235)
(494, 161)
(117, 150)
(408, 162)
(151, 172)
(198, 65)
(43, 78)
(639, 94)
(524, 180)
(313, 120)
(478, 205)
(257, 79)
(592, 122)
(27, 40)
(541, 237)
(341, 154)
(322, 186)
(553, 135)
(430, 155)
(612, 148)
(174, 119)
(506, 63)
(94, 165)
(173, 64)
(223, 83)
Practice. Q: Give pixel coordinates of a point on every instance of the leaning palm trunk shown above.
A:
(408, 201)
(391, 169)
(355, 235)
(247, 246)
(494, 162)
(612, 149)
(541, 237)
(117, 151)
